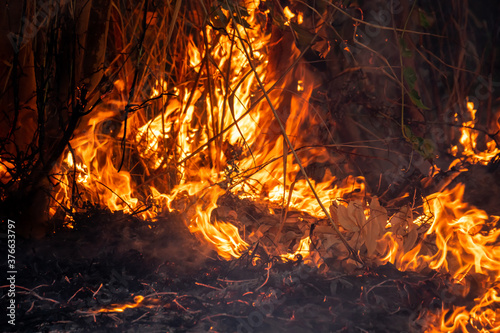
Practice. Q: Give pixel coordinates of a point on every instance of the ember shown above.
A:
(251, 166)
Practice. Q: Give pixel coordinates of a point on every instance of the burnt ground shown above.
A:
(108, 258)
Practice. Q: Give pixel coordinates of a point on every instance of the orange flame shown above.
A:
(483, 317)
(219, 137)
(288, 14)
(221, 149)
(468, 141)
(120, 308)
(459, 241)
(303, 249)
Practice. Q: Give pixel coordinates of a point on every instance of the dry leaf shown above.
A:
(333, 211)
(233, 215)
(289, 236)
(375, 227)
(379, 215)
(356, 210)
(401, 220)
(324, 229)
(411, 239)
(264, 228)
(346, 220)
(329, 240)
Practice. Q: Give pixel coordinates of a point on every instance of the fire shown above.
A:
(484, 317)
(469, 138)
(459, 241)
(288, 14)
(206, 141)
(173, 137)
(120, 308)
(303, 249)
(300, 18)
(93, 168)
(215, 134)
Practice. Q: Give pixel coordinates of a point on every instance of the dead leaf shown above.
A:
(401, 221)
(411, 239)
(289, 236)
(375, 227)
(379, 215)
(324, 229)
(232, 215)
(333, 211)
(346, 218)
(329, 240)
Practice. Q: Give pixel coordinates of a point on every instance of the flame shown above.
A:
(89, 171)
(300, 85)
(303, 249)
(468, 141)
(120, 308)
(94, 169)
(300, 18)
(484, 317)
(459, 241)
(204, 142)
(461, 246)
(215, 134)
(288, 14)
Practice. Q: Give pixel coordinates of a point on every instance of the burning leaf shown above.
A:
(411, 239)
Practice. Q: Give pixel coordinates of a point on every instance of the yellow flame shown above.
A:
(300, 18)
(300, 85)
(468, 141)
(303, 249)
(288, 14)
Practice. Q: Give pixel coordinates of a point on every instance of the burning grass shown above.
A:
(224, 116)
